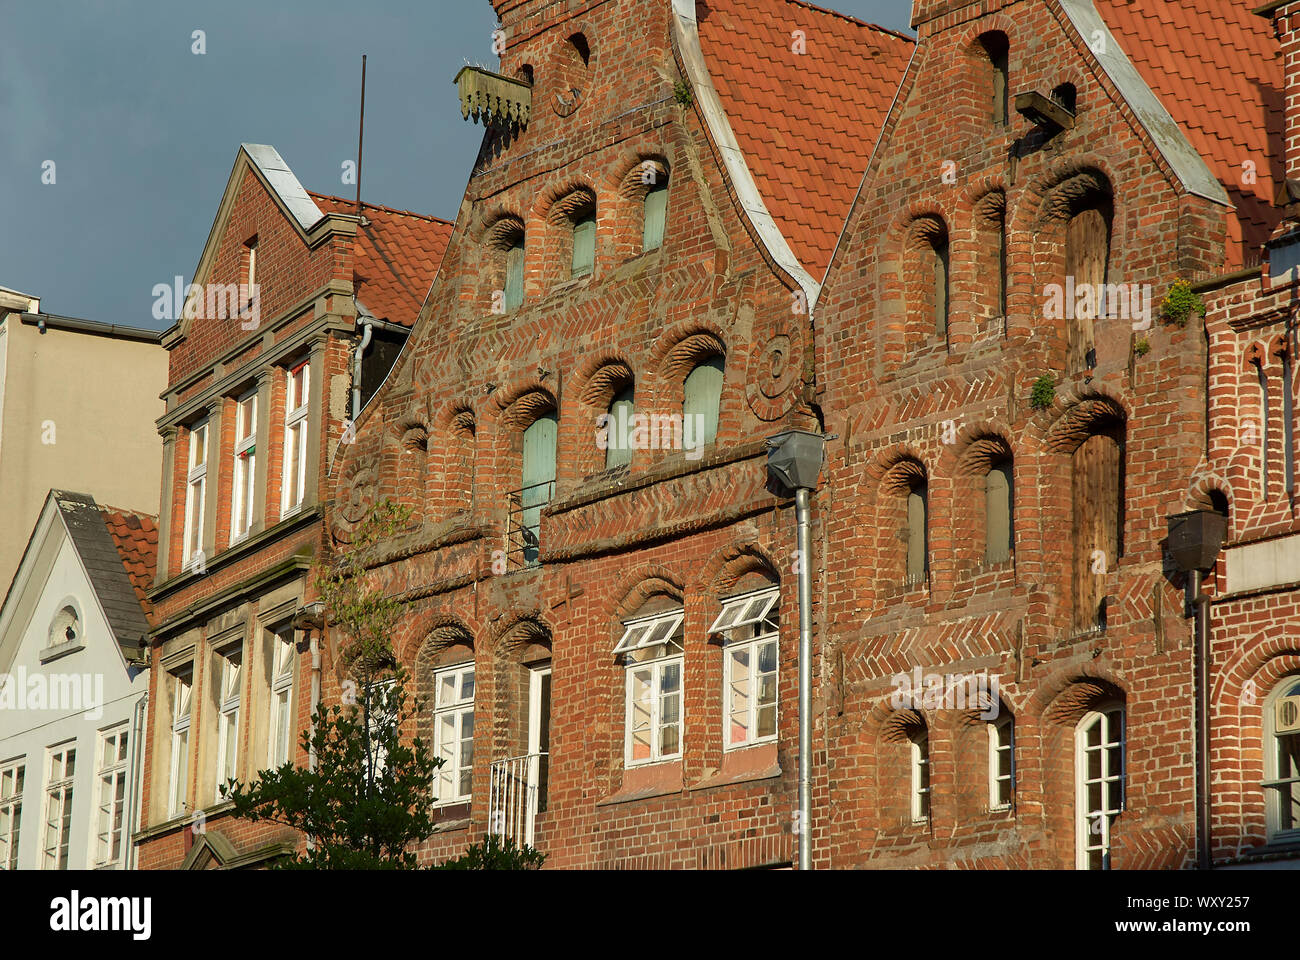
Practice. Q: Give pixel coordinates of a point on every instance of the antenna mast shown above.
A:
(361, 132)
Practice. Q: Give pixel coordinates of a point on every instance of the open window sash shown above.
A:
(746, 609)
(649, 631)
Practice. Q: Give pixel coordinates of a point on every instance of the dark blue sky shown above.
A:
(142, 132)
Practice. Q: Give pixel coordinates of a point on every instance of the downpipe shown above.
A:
(802, 505)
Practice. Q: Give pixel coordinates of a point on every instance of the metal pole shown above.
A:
(801, 505)
(361, 131)
(1201, 662)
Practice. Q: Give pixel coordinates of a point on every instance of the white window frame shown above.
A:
(657, 639)
(284, 661)
(1002, 739)
(1275, 796)
(13, 778)
(196, 490)
(232, 681)
(294, 488)
(244, 469)
(1108, 716)
(453, 769)
(753, 610)
(921, 795)
(58, 810)
(110, 808)
(178, 766)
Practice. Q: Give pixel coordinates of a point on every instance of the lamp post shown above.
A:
(1194, 541)
(794, 460)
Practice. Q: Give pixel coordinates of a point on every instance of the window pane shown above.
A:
(514, 292)
(656, 209)
(997, 514)
(618, 430)
(584, 245)
(702, 396)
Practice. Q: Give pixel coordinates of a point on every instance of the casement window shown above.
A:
(514, 289)
(656, 214)
(196, 488)
(999, 535)
(110, 796)
(919, 740)
(1002, 762)
(701, 400)
(60, 773)
(1282, 761)
(918, 533)
(245, 467)
(283, 663)
(296, 397)
(228, 717)
(584, 243)
(179, 765)
(750, 658)
(618, 444)
(1099, 784)
(652, 651)
(538, 474)
(453, 733)
(11, 812)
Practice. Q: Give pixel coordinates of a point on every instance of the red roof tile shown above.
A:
(806, 123)
(136, 537)
(397, 256)
(1217, 69)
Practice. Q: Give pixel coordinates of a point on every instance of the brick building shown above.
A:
(297, 309)
(601, 611)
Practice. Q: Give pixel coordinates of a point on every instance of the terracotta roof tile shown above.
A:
(136, 537)
(1218, 70)
(806, 123)
(397, 257)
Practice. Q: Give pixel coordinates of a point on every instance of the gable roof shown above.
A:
(1217, 69)
(806, 123)
(119, 551)
(397, 256)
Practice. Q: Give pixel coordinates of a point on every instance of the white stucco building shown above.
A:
(72, 687)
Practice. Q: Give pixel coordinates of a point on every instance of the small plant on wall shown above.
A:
(1043, 392)
(1180, 303)
(1142, 347)
(682, 93)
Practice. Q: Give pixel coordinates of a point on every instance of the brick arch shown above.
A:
(558, 199)
(638, 586)
(972, 441)
(522, 402)
(1254, 353)
(451, 414)
(432, 634)
(521, 630)
(1073, 690)
(600, 376)
(968, 39)
(681, 346)
(623, 174)
(728, 564)
(1082, 417)
(497, 227)
(1275, 644)
(903, 472)
(887, 458)
(1205, 482)
(1046, 197)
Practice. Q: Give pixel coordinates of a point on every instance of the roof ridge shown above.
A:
(106, 508)
(380, 206)
(853, 19)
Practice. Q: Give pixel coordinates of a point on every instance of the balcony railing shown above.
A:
(516, 792)
(524, 523)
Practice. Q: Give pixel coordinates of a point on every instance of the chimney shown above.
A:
(1285, 15)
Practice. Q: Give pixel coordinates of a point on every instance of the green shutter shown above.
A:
(656, 211)
(916, 534)
(515, 276)
(702, 395)
(538, 475)
(997, 514)
(584, 246)
(619, 429)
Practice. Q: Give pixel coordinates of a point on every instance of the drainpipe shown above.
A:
(132, 858)
(794, 460)
(1194, 541)
(356, 366)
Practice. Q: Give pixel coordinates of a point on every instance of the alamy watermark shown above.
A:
(65, 692)
(1103, 301)
(209, 301)
(922, 690)
(622, 430)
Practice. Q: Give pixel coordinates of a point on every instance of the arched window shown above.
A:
(938, 252)
(919, 736)
(917, 533)
(1099, 783)
(1002, 761)
(506, 244)
(1282, 761)
(701, 400)
(584, 241)
(927, 282)
(1087, 255)
(538, 475)
(65, 627)
(999, 531)
(618, 429)
(1098, 520)
(996, 47)
(514, 288)
(656, 214)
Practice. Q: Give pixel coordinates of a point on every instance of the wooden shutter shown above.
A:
(1098, 495)
(656, 212)
(514, 292)
(997, 514)
(584, 246)
(1087, 247)
(917, 559)
(618, 452)
(702, 396)
(941, 287)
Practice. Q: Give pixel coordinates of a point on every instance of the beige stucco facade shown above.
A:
(78, 403)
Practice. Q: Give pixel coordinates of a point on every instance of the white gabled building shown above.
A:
(72, 687)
